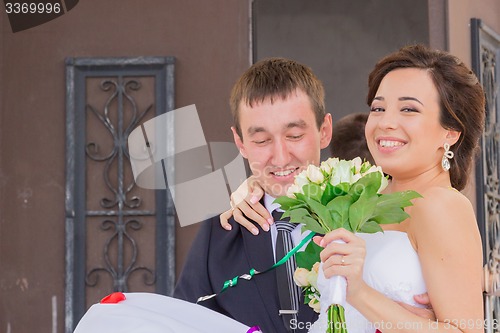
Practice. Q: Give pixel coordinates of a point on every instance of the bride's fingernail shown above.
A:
(255, 231)
(322, 243)
(254, 200)
(270, 220)
(265, 227)
(228, 227)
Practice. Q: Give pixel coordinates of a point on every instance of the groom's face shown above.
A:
(280, 139)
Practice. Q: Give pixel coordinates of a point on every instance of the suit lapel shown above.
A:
(260, 256)
(259, 249)
(259, 252)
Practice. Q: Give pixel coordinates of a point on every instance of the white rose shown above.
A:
(342, 174)
(355, 178)
(329, 164)
(327, 168)
(315, 305)
(312, 279)
(301, 179)
(300, 277)
(384, 182)
(292, 189)
(356, 163)
(365, 166)
(373, 168)
(314, 174)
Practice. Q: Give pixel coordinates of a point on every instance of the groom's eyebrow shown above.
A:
(255, 129)
(298, 123)
(259, 129)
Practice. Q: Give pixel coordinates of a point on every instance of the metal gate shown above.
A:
(485, 57)
(118, 237)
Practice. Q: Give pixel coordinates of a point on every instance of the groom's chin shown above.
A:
(277, 190)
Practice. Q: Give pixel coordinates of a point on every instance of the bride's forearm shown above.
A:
(388, 316)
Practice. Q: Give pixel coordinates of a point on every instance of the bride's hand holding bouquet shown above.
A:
(338, 199)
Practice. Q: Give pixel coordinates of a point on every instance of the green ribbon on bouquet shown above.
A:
(234, 281)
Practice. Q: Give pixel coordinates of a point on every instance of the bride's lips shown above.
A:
(389, 144)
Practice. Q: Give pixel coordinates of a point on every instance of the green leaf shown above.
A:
(321, 211)
(390, 207)
(343, 187)
(301, 197)
(286, 202)
(312, 191)
(328, 194)
(346, 225)
(400, 199)
(361, 210)
(313, 225)
(296, 215)
(331, 192)
(309, 256)
(302, 215)
(370, 227)
(368, 184)
(339, 211)
(389, 216)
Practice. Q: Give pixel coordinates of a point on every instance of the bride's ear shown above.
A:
(452, 137)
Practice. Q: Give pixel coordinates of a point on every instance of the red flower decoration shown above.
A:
(113, 298)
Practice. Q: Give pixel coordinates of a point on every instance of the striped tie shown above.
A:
(288, 291)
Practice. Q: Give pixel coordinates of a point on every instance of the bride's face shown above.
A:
(403, 130)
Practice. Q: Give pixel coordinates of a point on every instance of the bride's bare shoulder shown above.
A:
(443, 204)
(441, 197)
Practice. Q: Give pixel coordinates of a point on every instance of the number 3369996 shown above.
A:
(32, 8)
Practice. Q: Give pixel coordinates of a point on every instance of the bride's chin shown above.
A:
(387, 164)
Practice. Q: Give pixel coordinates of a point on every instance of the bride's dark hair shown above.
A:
(461, 97)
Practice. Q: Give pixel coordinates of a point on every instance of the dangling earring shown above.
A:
(448, 154)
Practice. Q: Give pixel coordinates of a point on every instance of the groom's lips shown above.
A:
(284, 173)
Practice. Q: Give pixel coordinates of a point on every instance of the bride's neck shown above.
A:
(419, 183)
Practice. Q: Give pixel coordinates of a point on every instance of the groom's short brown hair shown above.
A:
(275, 78)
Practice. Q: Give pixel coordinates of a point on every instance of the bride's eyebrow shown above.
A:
(407, 98)
(404, 98)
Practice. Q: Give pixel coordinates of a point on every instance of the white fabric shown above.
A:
(333, 289)
(153, 313)
(391, 267)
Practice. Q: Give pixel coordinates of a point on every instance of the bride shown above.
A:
(426, 118)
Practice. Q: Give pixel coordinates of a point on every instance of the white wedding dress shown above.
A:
(392, 268)
(153, 313)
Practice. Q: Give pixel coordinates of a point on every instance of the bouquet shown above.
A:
(338, 194)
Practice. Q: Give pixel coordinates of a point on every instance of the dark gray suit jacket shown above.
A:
(218, 255)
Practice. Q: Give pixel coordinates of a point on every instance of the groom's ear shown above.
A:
(239, 142)
(325, 131)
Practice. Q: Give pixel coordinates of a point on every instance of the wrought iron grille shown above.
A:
(485, 57)
(118, 237)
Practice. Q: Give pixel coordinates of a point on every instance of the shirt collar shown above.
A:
(270, 204)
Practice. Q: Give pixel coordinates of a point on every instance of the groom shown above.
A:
(280, 126)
